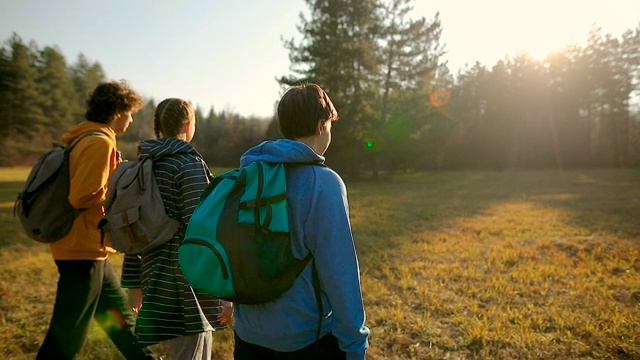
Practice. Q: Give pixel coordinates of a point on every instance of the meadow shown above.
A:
(454, 265)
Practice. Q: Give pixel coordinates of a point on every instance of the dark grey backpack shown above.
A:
(43, 204)
(134, 217)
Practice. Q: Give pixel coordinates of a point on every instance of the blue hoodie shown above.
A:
(319, 218)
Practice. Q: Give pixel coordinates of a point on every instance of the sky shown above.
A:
(227, 54)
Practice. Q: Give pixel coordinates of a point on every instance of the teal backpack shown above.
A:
(237, 244)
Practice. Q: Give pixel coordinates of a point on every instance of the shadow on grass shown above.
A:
(601, 201)
(454, 247)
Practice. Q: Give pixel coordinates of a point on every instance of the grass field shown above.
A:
(455, 265)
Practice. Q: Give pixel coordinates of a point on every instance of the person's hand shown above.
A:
(227, 312)
(135, 299)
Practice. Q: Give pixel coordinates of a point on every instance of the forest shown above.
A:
(401, 107)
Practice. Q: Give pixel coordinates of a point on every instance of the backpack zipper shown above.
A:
(225, 271)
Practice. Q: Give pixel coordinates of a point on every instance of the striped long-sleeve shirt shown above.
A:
(170, 308)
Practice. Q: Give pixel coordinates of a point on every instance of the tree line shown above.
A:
(404, 109)
(41, 96)
(401, 108)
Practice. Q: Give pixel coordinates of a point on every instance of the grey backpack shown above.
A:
(135, 220)
(43, 204)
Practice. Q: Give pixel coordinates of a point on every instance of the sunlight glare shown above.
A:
(488, 31)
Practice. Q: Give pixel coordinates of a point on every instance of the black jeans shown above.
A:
(89, 289)
(326, 348)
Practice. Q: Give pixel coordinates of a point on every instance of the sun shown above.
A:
(546, 26)
(491, 30)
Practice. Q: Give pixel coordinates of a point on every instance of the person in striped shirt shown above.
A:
(168, 309)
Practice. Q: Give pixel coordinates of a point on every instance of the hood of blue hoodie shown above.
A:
(157, 148)
(282, 150)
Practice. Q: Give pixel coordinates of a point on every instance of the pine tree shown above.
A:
(25, 113)
(7, 84)
(85, 76)
(338, 51)
(409, 56)
(56, 89)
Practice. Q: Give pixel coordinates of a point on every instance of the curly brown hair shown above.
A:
(110, 99)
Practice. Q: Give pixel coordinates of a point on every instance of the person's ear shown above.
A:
(187, 126)
(320, 127)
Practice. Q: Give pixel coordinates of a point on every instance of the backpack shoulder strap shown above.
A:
(318, 293)
(88, 133)
(309, 258)
(231, 174)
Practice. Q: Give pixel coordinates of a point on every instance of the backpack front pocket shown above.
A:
(206, 266)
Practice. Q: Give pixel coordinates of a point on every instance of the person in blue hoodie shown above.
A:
(287, 328)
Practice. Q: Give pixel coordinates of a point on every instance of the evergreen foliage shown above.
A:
(41, 97)
(382, 68)
(579, 107)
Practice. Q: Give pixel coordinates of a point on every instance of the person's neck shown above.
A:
(182, 137)
(312, 142)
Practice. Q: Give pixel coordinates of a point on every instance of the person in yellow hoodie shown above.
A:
(88, 287)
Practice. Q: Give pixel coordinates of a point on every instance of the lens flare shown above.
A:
(439, 97)
(112, 320)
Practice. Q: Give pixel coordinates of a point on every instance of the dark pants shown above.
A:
(88, 290)
(324, 349)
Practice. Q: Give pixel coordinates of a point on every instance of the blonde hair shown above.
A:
(170, 116)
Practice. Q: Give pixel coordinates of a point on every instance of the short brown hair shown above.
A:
(170, 116)
(300, 109)
(110, 99)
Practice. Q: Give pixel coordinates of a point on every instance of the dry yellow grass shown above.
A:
(535, 265)
(459, 265)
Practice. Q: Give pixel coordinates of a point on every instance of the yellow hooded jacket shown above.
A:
(91, 163)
